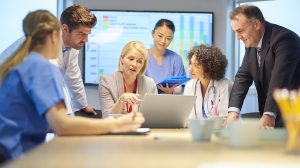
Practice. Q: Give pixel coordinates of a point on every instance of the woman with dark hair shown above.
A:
(208, 66)
(163, 62)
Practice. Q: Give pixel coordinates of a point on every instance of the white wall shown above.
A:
(12, 14)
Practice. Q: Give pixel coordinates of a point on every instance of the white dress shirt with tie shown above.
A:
(258, 48)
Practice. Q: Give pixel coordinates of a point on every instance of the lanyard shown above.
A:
(203, 110)
(129, 107)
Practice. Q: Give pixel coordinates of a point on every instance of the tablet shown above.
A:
(174, 80)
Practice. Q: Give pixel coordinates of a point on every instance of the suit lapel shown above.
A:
(140, 88)
(265, 46)
(119, 83)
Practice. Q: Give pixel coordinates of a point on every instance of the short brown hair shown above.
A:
(250, 11)
(76, 16)
(213, 62)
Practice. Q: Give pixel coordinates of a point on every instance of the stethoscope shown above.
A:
(212, 89)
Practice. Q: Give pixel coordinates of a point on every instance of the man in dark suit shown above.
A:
(272, 60)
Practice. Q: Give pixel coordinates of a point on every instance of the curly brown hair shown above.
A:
(212, 60)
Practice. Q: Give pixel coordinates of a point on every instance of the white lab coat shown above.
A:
(217, 99)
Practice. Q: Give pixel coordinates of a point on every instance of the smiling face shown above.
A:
(132, 63)
(162, 37)
(247, 30)
(76, 38)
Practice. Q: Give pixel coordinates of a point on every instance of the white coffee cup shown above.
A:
(244, 133)
(219, 122)
(201, 129)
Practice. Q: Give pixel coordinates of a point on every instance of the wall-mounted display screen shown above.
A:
(115, 28)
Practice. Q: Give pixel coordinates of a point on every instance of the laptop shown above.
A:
(166, 110)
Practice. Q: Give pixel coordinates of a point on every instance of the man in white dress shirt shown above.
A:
(77, 22)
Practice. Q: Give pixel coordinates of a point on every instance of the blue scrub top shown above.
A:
(27, 93)
(172, 65)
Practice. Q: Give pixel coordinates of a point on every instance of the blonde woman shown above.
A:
(124, 89)
(32, 98)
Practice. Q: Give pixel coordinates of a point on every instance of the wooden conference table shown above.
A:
(160, 148)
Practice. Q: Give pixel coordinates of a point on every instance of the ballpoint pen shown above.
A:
(94, 112)
(134, 114)
(134, 110)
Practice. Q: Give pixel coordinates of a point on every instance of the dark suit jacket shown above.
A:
(280, 68)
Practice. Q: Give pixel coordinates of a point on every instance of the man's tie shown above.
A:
(258, 50)
(65, 49)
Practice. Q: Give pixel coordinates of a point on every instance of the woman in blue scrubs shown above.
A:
(32, 99)
(162, 62)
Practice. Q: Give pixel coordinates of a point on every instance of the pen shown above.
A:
(94, 112)
(134, 110)
(135, 106)
(134, 114)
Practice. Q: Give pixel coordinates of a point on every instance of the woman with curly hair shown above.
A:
(208, 66)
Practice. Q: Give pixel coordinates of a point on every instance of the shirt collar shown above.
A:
(65, 49)
(260, 42)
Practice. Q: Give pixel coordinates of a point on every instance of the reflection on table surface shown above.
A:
(160, 148)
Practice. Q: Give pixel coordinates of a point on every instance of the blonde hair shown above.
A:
(37, 26)
(138, 46)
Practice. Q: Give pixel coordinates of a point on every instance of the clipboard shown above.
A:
(82, 113)
(174, 80)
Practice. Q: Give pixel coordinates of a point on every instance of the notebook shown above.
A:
(166, 110)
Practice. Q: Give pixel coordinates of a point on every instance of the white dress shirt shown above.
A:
(68, 64)
(235, 109)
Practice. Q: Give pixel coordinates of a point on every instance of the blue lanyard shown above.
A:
(203, 111)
